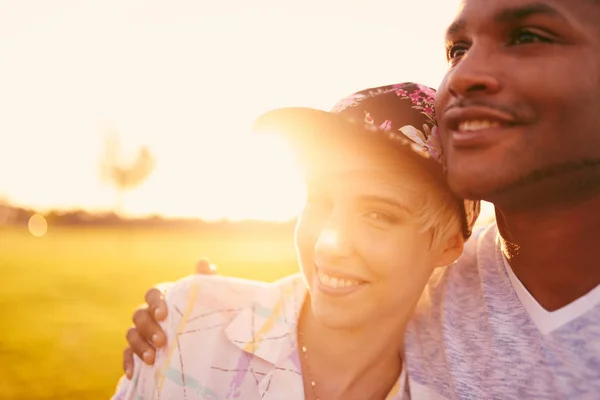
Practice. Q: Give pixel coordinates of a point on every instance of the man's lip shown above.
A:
(454, 116)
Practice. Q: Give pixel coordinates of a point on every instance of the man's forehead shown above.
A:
(485, 12)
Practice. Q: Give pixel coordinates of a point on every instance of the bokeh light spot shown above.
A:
(38, 225)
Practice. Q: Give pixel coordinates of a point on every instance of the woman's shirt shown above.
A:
(227, 339)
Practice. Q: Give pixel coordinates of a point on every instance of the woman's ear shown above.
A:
(449, 250)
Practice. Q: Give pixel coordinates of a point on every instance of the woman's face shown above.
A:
(362, 252)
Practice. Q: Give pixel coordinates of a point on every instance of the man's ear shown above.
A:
(449, 250)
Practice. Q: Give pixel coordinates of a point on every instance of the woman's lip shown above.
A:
(339, 274)
(339, 291)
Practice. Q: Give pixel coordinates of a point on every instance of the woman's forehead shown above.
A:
(391, 176)
(351, 186)
(358, 174)
(363, 162)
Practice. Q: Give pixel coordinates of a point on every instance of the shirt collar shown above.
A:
(266, 327)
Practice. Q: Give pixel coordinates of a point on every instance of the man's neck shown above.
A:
(555, 252)
(344, 363)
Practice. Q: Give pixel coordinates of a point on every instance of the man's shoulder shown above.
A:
(461, 280)
(449, 313)
(480, 246)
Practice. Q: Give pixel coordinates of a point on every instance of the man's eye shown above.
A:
(526, 36)
(456, 50)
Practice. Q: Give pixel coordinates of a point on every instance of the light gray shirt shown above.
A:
(478, 334)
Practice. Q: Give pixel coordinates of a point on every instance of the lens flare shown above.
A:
(38, 226)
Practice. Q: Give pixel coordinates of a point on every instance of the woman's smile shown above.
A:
(332, 283)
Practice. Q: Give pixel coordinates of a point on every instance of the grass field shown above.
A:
(66, 299)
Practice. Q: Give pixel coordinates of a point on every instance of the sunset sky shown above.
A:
(187, 79)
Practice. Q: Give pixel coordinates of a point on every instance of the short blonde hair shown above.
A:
(441, 210)
(440, 213)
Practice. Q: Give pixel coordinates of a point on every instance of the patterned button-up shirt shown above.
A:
(227, 339)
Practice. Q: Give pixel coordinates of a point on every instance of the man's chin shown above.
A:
(472, 187)
(509, 187)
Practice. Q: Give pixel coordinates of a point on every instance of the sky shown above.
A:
(187, 79)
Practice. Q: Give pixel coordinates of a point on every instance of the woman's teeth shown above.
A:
(336, 282)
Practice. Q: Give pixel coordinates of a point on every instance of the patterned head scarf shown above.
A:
(404, 113)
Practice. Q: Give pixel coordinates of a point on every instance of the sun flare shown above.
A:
(187, 80)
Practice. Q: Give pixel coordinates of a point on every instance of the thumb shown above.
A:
(204, 267)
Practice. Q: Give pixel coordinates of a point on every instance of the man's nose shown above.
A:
(474, 74)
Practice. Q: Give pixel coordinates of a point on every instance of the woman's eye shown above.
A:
(380, 217)
(525, 36)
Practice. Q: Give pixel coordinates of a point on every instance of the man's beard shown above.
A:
(569, 181)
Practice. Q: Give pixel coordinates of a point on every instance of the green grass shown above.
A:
(66, 299)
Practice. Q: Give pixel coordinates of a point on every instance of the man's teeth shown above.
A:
(477, 125)
(336, 282)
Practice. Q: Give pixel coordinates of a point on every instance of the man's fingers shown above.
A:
(147, 328)
(156, 304)
(128, 362)
(204, 267)
(139, 346)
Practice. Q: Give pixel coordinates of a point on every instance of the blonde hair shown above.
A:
(440, 213)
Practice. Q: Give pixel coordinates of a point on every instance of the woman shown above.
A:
(378, 219)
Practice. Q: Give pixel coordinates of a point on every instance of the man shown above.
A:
(518, 315)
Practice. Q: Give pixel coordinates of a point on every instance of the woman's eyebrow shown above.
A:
(384, 200)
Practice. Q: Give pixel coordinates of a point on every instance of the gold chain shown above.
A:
(313, 383)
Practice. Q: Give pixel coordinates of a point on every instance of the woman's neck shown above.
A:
(362, 363)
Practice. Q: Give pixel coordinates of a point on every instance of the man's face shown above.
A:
(519, 108)
(363, 253)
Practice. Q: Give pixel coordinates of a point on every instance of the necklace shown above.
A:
(313, 383)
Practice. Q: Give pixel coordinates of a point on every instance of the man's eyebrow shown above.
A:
(455, 27)
(515, 14)
(510, 14)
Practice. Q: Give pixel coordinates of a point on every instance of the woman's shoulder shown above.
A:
(217, 292)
